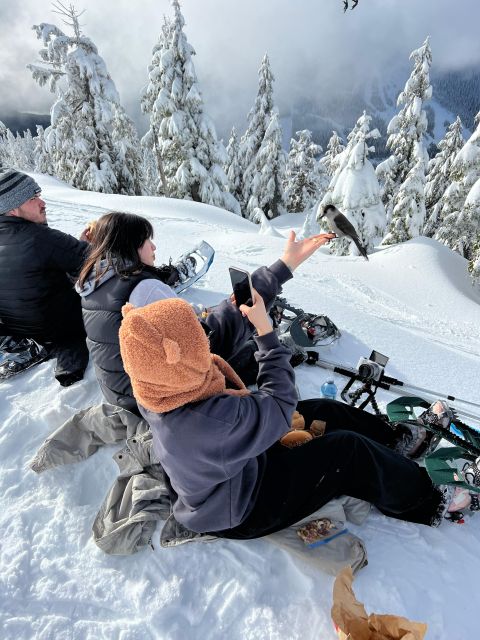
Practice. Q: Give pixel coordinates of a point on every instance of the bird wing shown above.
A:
(345, 226)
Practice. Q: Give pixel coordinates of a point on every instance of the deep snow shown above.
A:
(413, 302)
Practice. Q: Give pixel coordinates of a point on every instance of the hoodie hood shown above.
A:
(89, 286)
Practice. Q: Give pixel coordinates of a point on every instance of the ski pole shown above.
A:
(387, 382)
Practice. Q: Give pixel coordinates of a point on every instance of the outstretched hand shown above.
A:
(297, 251)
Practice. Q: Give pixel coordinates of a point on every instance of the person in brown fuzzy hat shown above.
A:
(220, 447)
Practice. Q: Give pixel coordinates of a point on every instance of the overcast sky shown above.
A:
(313, 46)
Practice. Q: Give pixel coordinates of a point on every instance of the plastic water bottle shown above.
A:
(329, 390)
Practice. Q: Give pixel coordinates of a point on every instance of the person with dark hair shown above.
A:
(120, 269)
(38, 266)
(122, 256)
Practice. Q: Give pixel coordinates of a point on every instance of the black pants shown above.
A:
(70, 350)
(350, 459)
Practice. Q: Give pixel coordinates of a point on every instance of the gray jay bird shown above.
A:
(340, 225)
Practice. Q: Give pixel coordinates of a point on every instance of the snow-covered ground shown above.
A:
(413, 302)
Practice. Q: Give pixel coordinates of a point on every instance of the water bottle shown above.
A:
(329, 390)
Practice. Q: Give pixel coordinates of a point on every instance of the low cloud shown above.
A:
(313, 46)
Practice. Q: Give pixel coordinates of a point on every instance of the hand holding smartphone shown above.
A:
(242, 286)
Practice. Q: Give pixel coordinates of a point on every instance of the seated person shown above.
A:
(120, 268)
(38, 266)
(230, 475)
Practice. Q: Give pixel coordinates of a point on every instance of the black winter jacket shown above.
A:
(37, 268)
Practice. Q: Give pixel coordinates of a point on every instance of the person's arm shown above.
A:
(226, 329)
(264, 416)
(66, 253)
(150, 290)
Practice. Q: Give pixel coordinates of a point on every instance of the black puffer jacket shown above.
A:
(102, 318)
(37, 298)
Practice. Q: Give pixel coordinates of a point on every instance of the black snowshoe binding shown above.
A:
(306, 329)
(19, 354)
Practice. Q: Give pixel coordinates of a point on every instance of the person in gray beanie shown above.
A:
(38, 266)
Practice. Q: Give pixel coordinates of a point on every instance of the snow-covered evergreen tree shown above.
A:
(409, 212)
(474, 264)
(305, 178)
(181, 135)
(232, 166)
(158, 72)
(439, 174)
(355, 191)
(259, 119)
(80, 137)
(408, 153)
(334, 149)
(25, 147)
(266, 191)
(439, 167)
(128, 154)
(457, 226)
(3, 145)
(17, 151)
(43, 159)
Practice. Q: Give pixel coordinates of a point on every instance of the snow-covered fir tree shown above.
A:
(17, 151)
(408, 214)
(266, 190)
(355, 191)
(43, 159)
(408, 153)
(128, 154)
(232, 166)
(258, 120)
(305, 178)
(439, 174)
(334, 149)
(457, 220)
(181, 135)
(3, 145)
(474, 264)
(80, 137)
(155, 179)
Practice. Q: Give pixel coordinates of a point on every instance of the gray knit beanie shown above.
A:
(15, 189)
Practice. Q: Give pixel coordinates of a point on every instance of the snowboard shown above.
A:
(18, 355)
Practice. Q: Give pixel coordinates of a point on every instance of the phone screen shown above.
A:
(241, 286)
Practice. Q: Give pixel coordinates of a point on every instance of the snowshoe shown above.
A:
(192, 265)
(19, 354)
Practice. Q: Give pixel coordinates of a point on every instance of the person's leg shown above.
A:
(72, 360)
(340, 416)
(296, 482)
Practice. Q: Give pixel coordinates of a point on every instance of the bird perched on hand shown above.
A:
(340, 225)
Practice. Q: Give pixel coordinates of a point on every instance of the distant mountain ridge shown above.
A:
(454, 93)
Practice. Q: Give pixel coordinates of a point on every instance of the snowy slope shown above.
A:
(412, 302)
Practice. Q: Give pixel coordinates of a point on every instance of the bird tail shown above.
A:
(362, 250)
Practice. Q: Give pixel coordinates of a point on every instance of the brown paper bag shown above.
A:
(352, 622)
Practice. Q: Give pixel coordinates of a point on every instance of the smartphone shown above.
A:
(242, 286)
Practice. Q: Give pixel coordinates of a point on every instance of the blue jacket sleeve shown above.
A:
(225, 326)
